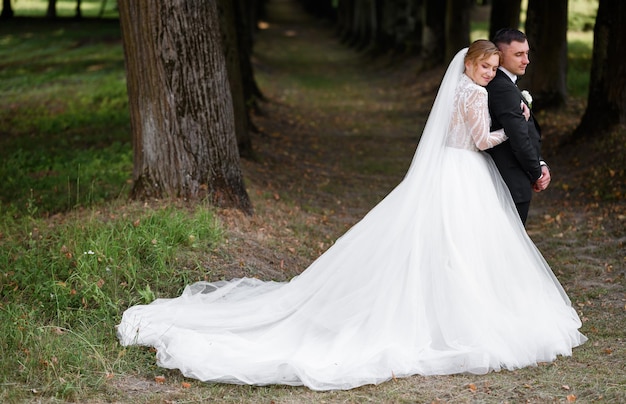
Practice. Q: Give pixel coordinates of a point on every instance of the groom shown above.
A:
(519, 158)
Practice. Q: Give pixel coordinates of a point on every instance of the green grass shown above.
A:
(65, 282)
(64, 112)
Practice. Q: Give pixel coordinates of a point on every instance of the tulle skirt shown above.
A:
(432, 281)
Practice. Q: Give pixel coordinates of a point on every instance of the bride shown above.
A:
(439, 278)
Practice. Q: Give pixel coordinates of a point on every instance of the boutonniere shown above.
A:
(528, 98)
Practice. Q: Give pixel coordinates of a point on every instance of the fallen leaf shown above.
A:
(571, 398)
(472, 387)
(159, 379)
(185, 385)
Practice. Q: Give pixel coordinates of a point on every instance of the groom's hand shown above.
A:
(543, 181)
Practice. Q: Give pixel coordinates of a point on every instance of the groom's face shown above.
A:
(515, 57)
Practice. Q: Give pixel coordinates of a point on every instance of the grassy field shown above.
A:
(338, 133)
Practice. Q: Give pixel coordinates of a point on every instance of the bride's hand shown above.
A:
(525, 110)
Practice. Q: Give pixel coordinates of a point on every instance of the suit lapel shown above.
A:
(510, 82)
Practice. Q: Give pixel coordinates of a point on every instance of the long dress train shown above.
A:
(439, 278)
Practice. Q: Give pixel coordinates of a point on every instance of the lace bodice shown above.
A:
(470, 122)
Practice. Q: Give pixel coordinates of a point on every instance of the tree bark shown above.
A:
(365, 23)
(400, 28)
(457, 27)
(415, 18)
(345, 19)
(7, 10)
(504, 14)
(230, 42)
(433, 37)
(320, 8)
(180, 103)
(247, 20)
(79, 13)
(546, 75)
(51, 12)
(606, 104)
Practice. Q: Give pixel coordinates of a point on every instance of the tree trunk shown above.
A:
(320, 8)
(180, 103)
(457, 26)
(546, 75)
(230, 42)
(415, 38)
(504, 14)
(606, 105)
(246, 27)
(51, 13)
(78, 14)
(345, 20)
(7, 10)
(398, 26)
(364, 25)
(102, 7)
(433, 37)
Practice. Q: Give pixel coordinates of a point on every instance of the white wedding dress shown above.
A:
(439, 278)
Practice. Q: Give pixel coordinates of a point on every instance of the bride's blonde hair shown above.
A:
(481, 49)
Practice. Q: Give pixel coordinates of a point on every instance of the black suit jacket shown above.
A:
(517, 158)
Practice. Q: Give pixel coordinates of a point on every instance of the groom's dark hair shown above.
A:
(508, 35)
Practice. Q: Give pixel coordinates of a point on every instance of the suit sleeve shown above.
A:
(504, 105)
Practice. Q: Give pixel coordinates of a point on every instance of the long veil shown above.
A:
(433, 139)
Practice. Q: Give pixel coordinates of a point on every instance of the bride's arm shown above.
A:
(478, 121)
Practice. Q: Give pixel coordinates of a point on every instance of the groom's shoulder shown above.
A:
(498, 80)
(500, 84)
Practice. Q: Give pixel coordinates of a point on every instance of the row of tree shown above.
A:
(191, 85)
(435, 30)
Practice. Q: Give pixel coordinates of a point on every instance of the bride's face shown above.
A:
(482, 71)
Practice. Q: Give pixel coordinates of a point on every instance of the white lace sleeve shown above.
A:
(479, 122)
